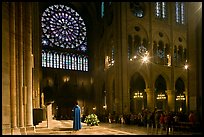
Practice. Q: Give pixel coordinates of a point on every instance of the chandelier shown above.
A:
(161, 96)
(138, 95)
(180, 97)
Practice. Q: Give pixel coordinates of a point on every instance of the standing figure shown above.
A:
(192, 119)
(76, 117)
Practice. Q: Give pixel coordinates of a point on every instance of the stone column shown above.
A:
(14, 129)
(150, 99)
(6, 104)
(187, 100)
(124, 54)
(117, 64)
(42, 100)
(24, 103)
(28, 67)
(36, 53)
(49, 115)
(171, 100)
(20, 72)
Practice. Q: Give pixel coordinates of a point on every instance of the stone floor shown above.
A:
(64, 127)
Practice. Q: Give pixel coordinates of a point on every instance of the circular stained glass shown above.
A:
(63, 27)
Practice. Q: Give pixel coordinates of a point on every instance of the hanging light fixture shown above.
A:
(180, 97)
(138, 95)
(161, 96)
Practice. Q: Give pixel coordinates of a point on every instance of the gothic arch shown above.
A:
(139, 29)
(137, 86)
(180, 85)
(166, 78)
(160, 35)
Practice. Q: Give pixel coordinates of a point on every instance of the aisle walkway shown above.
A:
(64, 127)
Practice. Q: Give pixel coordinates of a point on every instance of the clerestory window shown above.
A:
(161, 10)
(180, 12)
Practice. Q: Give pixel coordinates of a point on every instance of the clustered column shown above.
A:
(28, 67)
(14, 129)
(20, 72)
(20, 41)
(171, 100)
(150, 98)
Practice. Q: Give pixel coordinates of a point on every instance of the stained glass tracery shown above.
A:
(180, 12)
(161, 10)
(64, 28)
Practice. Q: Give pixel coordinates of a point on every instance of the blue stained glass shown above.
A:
(83, 48)
(63, 27)
(160, 53)
(73, 62)
(160, 9)
(55, 62)
(102, 9)
(69, 62)
(57, 19)
(179, 7)
(51, 60)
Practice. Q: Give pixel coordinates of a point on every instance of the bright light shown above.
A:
(145, 59)
(180, 97)
(161, 96)
(186, 66)
(104, 106)
(66, 78)
(138, 95)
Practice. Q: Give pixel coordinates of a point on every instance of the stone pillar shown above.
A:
(20, 72)
(28, 67)
(6, 104)
(36, 52)
(117, 64)
(14, 129)
(124, 59)
(187, 100)
(24, 103)
(150, 99)
(33, 97)
(171, 100)
(49, 115)
(42, 100)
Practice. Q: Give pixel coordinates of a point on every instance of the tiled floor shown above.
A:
(64, 127)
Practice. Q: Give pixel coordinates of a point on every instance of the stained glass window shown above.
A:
(85, 64)
(112, 54)
(180, 12)
(61, 61)
(51, 60)
(75, 63)
(161, 9)
(64, 63)
(79, 63)
(48, 59)
(55, 60)
(69, 61)
(63, 28)
(102, 9)
(43, 58)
